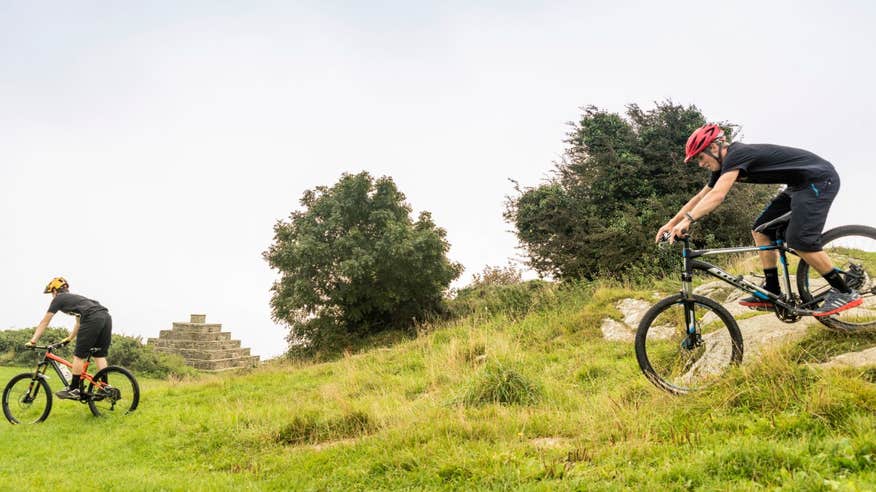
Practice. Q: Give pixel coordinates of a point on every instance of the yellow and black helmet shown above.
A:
(56, 283)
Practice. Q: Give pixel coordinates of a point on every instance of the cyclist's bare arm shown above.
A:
(709, 202)
(715, 196)
(680, 215)
(75, 330)
(41, 328)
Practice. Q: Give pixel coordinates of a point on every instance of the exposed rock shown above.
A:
(616, 331)
(633, 310)
(716, 290)
(625, 331)
(864, 358)
(664, 332)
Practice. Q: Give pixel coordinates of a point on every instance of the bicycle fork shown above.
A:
(693, 339)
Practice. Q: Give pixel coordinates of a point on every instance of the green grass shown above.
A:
(539, 402)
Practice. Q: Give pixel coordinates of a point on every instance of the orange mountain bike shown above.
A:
(112, 391)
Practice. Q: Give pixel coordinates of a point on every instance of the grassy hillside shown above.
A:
(420, 415)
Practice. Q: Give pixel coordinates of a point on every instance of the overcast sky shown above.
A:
(148, 148)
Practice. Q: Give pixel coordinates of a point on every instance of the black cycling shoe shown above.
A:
(69, 394)
(758, 304)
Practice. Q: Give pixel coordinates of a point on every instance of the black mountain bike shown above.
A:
(112, 391)
(685, 341)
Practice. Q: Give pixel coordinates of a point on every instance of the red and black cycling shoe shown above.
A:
(837, 302)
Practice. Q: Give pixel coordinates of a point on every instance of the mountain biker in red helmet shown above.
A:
(812, 184)
(93, 329)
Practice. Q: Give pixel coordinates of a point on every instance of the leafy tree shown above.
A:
(619, 180)
(353, 263)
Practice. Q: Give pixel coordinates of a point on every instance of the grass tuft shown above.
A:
(499, 383)
(311, 429)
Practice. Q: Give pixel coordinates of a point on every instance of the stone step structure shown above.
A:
(203, 345)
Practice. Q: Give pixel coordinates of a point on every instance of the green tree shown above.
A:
(619, 180)
(353, 263)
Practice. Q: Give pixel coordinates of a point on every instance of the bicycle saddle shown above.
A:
(780, 220)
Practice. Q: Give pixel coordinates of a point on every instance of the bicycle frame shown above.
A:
(50, 359)
(786, 301)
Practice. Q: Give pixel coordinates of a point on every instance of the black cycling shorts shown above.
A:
(95, 331)
(810, 204)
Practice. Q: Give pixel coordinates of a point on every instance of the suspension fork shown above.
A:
(687, 290)
(34, 387)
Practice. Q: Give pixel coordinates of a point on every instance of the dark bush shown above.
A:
(126, 351)
(13, 353)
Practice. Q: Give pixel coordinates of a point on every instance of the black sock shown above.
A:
(772, 280)
(837, 281)
(74, 381)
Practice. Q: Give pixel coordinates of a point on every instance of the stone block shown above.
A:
(203, 345)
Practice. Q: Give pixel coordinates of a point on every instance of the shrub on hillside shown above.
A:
(353, 263)
(515, 300)
(619, 180)
(13, 353)
(143, 359)
(496, 275)
(126, 351)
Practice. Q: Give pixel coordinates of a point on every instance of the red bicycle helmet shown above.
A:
(700, 140)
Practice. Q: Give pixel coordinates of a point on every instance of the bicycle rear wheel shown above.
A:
(114, 392)
(679, 360)
(27, 400)
(852, 249)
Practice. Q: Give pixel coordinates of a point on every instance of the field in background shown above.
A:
(574, 413)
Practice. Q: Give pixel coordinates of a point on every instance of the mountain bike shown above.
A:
(112, 391)
(686, 341)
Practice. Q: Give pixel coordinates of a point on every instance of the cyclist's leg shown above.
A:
(89, 332)
(104, 339)
(811, 205)
(780, 205)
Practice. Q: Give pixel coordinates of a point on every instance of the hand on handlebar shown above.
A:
(30, 344)
(679, 231)
(65, 341)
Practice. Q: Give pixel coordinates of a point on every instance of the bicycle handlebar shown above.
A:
(664, 238)
(51, 346)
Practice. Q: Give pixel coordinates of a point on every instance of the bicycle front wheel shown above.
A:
(27, 400)
(851, 249)
(684, 345)
(113, 392)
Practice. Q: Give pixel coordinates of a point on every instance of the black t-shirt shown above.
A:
(74, 304)
(773, 164)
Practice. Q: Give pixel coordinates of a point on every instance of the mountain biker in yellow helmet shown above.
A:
(812, 184)
(93, 329)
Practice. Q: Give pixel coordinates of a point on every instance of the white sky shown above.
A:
(148, 148)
